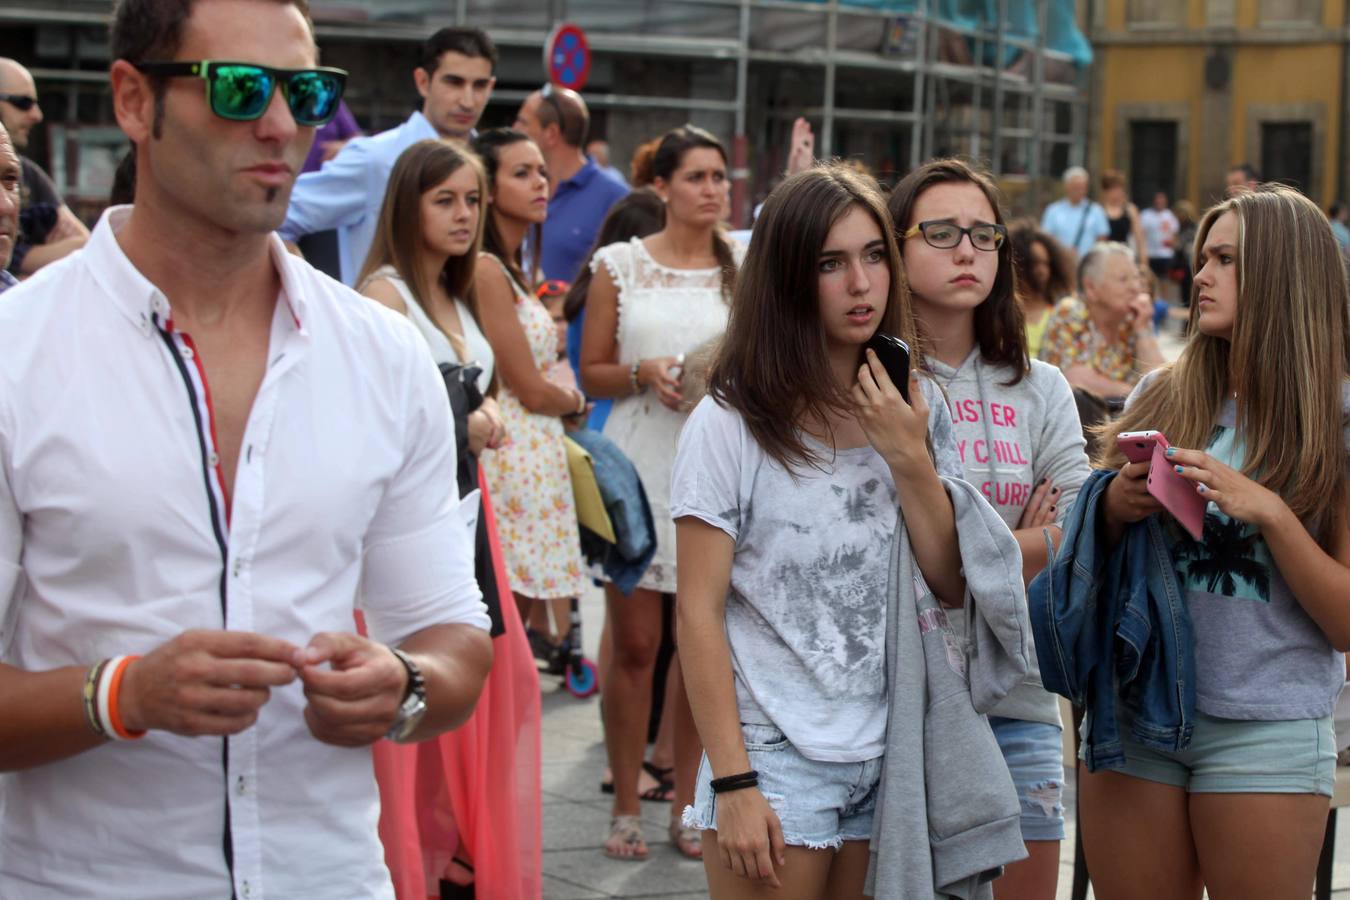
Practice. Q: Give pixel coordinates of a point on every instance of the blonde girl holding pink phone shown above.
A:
(1256, 411)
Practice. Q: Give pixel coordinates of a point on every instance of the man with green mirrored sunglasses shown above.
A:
(208, 451)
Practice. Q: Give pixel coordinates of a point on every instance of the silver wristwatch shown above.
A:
(414, 704)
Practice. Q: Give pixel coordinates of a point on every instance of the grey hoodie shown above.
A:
(947, 815)
(1009, 438)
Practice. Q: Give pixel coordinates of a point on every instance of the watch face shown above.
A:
(409, 716)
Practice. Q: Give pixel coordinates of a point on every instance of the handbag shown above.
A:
(461, 385)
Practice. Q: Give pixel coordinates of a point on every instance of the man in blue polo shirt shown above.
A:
(581, 192)
(1075, 220)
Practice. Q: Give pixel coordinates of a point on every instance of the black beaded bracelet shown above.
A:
(735, 782)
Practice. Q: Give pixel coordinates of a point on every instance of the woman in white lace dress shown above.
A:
(651, 301)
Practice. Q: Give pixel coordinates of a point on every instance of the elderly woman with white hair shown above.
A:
(1103, 339)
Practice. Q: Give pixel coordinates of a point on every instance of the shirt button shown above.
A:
(187, 352)
(248, 889)
(238, 565)
(213, 460)
(242, 786)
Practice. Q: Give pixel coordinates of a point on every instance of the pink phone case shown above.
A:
(1138, 445)
(1177, 495)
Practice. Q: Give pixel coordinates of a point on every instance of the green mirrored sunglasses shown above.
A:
(241, 91)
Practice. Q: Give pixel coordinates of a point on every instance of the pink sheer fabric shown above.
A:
(472, 794)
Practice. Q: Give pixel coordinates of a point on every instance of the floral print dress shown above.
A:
(528, 477)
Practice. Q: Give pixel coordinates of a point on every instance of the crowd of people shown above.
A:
(282, 553)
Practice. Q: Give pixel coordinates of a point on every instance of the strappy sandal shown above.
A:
(689, 841)
(627, 832)
(661, 792)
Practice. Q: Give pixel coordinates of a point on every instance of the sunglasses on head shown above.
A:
(21, 102)
(241, 92)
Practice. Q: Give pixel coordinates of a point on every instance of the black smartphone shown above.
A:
(894, 355)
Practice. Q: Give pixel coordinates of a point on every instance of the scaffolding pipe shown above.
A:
(1037, 167)
(920, 85)
(831, 44)
(996, 151)
(740, 143)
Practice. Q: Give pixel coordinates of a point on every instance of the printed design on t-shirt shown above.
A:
(836, 565)
(996, 466)
(1233, 559)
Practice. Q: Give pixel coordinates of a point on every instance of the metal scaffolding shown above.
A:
(877, 82)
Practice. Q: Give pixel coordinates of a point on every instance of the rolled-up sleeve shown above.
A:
(332, 197)
(419, 567)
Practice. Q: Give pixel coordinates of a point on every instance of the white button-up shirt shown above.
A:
(114, 538)
(348, 191)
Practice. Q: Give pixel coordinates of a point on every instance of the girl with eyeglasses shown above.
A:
(1019, 440)
(1257, 412)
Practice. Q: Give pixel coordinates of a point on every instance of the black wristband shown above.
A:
(735, 782)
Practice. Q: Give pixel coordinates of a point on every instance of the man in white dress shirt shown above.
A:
(210, 456)
(455, 77)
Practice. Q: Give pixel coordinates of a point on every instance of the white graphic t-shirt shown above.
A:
(806, 608)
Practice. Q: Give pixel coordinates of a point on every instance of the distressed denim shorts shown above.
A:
(1034, 752)
(819, 804)
(1238, 756)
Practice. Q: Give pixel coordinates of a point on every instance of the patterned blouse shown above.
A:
(1071, 340)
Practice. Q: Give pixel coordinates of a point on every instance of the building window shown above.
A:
(1153, 160)
(1286, 153)
(1154, 13)
(1291, 12)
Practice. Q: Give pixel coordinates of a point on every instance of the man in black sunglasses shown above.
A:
(208, 452)
(455, 77)
(48, 230)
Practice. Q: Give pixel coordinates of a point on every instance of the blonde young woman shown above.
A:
(1256, 412)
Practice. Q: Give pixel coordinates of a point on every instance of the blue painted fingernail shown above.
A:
(1171, 451)
(1201, 488)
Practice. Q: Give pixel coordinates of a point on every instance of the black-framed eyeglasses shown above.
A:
(241, 92)
(21, 102)
(945, 235)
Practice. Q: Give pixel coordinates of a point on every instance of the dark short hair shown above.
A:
(1248, 171)
(144, 30)
(153, 29)
(470, 42)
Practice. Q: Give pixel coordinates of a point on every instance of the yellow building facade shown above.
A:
(1183, 90)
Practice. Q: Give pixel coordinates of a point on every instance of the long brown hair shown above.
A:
(773, 366)
(398, 238)
(489, 145)
(667, 158)
(1000, 327)
(1024, 234)
(1287, 361)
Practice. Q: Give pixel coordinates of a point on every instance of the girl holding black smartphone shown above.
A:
(786, 485)
(1256, 411)
(1019, 439)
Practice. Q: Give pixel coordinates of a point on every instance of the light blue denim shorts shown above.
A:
(1238, 756)
(819, 804)
(1034, 752)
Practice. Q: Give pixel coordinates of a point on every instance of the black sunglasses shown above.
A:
(21, 102)
(241, 92)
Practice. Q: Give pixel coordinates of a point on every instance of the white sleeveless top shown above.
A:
(480, 351)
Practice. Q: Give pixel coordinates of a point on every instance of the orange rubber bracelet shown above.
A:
(114, 714)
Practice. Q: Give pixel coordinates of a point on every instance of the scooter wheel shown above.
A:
(582, 679)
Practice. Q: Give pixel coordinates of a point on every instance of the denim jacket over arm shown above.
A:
(1114, 625)
(625, 562)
